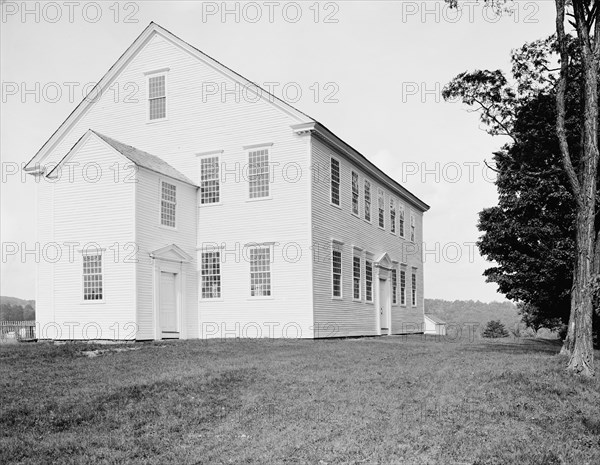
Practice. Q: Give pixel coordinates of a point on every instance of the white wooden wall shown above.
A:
(347, 317)
(89, 207)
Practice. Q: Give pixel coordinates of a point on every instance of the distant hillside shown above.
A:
(15, 309)
(470, 311)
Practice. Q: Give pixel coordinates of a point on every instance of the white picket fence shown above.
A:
(19, 330)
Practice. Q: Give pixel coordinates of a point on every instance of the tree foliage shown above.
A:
(495, 329)
(530, 233)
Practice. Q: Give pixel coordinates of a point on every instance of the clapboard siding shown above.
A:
(195, 122)
(44, 300)
(346, 317)
(283, 220)
(94, 213)
(151, 236)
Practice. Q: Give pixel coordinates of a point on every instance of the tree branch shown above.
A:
(561, 131)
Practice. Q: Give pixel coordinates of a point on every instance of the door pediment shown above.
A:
(384, 261)
(171, 253)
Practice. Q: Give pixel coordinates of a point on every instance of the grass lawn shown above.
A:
(405, 400)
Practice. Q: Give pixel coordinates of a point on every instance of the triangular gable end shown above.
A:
(384, 261)
(171, 253)
(147, 34)
(55, 172)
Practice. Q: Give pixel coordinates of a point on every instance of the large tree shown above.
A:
(584, 17)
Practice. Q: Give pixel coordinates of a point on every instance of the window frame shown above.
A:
(333, 160)
(92, 253)
(269, 248)
(356, 255)
(156, 74)
(413, 227)
(380, 208)
(413, 287)
(402, 221)
(160, 207)
(249, 152)
(201, 158)
(369, 263)
(393, 215)
(337, 247)
(394, 278)
(219, 275)
(355, 194)
(368, 202)
(402, 285)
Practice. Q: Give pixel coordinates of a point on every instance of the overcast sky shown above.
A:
(371, 72)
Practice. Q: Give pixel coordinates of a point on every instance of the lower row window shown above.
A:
(92, 277)
(260, 273)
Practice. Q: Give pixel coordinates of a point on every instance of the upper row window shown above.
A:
(168, 202)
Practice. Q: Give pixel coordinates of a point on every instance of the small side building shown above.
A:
(434, 325)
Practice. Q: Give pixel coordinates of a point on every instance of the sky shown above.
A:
(372, 72)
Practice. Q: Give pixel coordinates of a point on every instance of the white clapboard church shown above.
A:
(182, 211)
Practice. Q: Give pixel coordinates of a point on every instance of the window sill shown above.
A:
(216, 299)
(215, 204)
(393, 233)
(367, 221)
(259, 199)
(370, 302)
(268, 297)
(339, 207)
(357, 300)
(168, 228)
(337, 298)
(379, 227)
(154, 121)
(92, 302)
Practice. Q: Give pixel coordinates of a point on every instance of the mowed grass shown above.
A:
(405, 400)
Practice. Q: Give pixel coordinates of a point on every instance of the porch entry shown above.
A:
(168, 306)
(384, 304)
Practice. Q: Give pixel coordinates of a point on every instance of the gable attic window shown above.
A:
(168, 202)
(335, 182)
(157, 97)
(92, 276)
(209, 180)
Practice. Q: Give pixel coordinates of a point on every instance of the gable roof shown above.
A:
(147, 34)
(137, 156)
(435, 319)
(303, 120)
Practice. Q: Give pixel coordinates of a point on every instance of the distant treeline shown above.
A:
(470, 311)
(13, 309)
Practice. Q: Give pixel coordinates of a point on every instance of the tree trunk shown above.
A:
(569, 341)
(583, 182)
(582, 353)
(581, 358)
